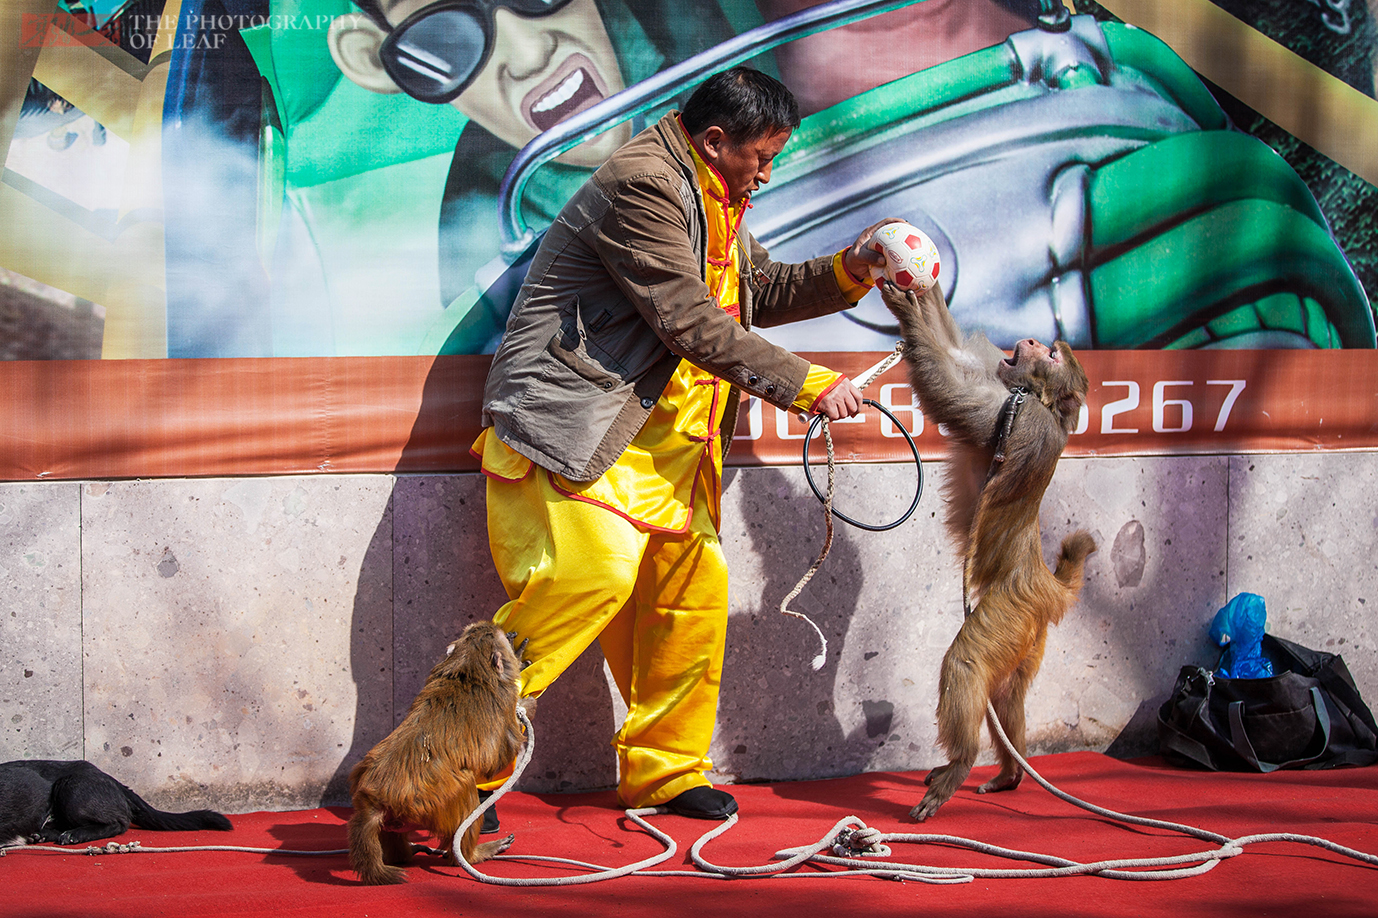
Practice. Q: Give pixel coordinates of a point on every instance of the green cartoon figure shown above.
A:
(1080, 180)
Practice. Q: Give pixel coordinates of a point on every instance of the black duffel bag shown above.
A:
(1308, 715)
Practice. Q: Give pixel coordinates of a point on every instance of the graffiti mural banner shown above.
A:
(257, 236)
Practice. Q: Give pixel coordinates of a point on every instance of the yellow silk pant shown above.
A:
(656, 602)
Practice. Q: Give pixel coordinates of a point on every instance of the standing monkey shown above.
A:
(461, 729)
(1009, 419)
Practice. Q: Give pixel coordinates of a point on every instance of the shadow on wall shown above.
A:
(366, 733)
(1150, 592)
(776, 715)
(435, 539)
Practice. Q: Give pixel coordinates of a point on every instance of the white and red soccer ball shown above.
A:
(911, 258)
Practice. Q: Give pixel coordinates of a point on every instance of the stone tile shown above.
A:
(888, 604)
(238, 635)
(1302, 536)
(444, 579)
(246, 641)
(40, 625)
(891, 602)
(1151, 588)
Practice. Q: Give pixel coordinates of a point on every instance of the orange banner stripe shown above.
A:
(181, 418)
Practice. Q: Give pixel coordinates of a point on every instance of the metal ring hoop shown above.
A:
(913, 448)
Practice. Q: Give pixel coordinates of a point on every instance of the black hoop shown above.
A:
(918, 464)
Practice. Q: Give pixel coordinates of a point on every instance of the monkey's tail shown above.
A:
(366, 849)
(146, 817)
(1071, 564)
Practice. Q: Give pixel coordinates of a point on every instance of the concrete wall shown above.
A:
(241, 643)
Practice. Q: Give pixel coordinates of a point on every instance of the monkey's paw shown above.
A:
(927, 806)
(490, 849)
(1002, 781)
(935, 774)
(900, 302)
(942, 782)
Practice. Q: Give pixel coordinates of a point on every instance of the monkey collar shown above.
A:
(1005, 424)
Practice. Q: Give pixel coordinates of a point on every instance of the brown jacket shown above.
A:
(616, 297)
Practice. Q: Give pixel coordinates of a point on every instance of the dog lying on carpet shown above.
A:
(74, 802)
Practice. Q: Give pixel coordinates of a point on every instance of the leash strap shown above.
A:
(873, 373)
(1008, 413)
(865, 379)
(1004, 425)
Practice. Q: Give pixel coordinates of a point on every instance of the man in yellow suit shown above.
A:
(611, 401)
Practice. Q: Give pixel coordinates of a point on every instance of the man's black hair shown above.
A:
(747, 104)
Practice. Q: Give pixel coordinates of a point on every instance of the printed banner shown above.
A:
(1140, 403)
(220, 209)
(161, 418)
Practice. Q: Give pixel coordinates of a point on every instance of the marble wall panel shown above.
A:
(40, 621)
(238, 635)
(1151, 589)
(241, 643)
(1303, 531)
(887, 602)
(891, 602)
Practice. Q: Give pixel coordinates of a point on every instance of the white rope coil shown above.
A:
(600, 873)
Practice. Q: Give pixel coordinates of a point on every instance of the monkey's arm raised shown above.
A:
(954, 378)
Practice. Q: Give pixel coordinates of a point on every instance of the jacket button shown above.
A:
(752, 380)
(770, 389)
(648, 403)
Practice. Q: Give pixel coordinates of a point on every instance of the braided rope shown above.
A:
(822, 656)
(135, 847)
(1134, 869)
(865, 379)
(600, 873)
(871, 375)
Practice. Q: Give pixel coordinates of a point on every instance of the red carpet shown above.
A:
(1272, 879)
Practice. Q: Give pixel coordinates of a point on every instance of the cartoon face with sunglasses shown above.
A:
(517, 67)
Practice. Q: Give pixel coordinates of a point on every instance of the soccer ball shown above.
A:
(911, 258)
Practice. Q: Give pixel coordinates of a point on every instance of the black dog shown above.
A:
(74, 802)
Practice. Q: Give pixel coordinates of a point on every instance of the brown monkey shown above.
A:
(461, 729)
(1004, 448)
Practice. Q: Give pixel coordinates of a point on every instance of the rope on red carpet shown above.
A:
(852, 842)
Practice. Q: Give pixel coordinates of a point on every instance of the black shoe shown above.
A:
(490, 815)
(702, 803)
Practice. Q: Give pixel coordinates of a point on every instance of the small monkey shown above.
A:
(461, 728)
(1008, 419)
